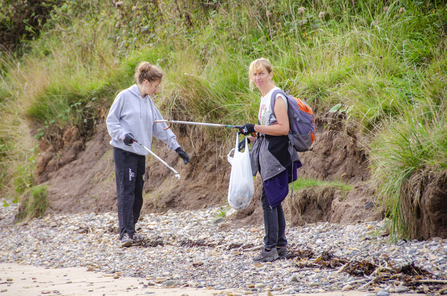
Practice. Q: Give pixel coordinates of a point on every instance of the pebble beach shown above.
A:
(188, 249)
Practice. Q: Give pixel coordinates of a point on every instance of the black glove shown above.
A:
(247, 129)
(128, 139)
(183, 155)
(241, 144)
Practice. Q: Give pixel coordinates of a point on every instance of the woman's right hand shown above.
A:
(129, 139)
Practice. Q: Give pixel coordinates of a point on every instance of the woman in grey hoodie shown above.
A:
(132, 116)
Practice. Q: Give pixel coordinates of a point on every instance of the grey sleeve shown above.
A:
(114, 127)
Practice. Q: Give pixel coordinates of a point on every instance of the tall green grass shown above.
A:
(413, 142)
(62, 81)
(360, 55)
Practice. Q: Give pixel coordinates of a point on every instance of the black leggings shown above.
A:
(129, 171)
(274, 224)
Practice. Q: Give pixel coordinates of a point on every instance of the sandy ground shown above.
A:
(26, 280)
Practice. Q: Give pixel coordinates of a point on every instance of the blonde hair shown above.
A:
(146, 71)
(256, 66)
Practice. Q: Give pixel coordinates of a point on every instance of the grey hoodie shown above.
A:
(131, 113)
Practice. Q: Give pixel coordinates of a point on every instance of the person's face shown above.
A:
(150, 88)
(261, 78)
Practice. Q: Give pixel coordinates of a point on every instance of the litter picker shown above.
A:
(177, 175)
(196, 123)
(199, 123)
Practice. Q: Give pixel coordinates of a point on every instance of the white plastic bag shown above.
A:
(241, 187)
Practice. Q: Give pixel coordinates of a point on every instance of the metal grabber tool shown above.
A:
(199, 123)
(196, 123)
(177, 175)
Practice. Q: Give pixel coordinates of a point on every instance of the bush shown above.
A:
(22, 20)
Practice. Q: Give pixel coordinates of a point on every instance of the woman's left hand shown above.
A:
(183, 155)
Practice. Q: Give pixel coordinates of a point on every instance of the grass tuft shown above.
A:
(305, 183)
(33, 204)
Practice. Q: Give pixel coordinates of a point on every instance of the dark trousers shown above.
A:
(274, 224)
(129, 171)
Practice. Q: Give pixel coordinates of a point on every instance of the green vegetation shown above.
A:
(411, 143)
(222, 212)
(383, 62)
(33, 204)
(304, 183)
(21, 21)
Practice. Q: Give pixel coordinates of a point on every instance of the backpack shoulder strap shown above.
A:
(273, 99)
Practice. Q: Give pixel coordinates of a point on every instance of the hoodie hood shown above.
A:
(136, 92)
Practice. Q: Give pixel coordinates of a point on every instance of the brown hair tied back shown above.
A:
(146, 71)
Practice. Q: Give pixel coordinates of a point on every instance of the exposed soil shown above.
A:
(425, 204)
(337, 154)
(87, 184)
(80, 175)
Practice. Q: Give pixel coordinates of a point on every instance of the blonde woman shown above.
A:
(132, 116)
(273, 156)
